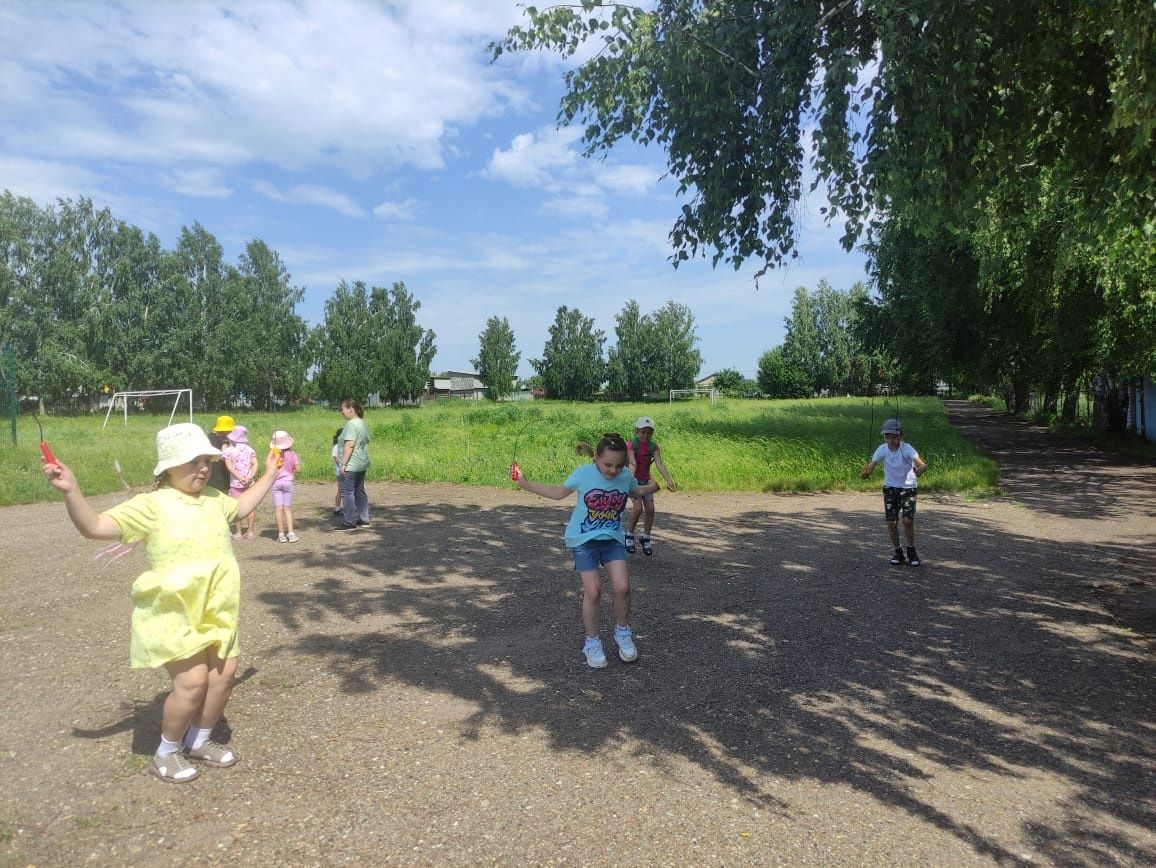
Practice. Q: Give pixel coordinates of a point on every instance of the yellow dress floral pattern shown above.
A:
(189, 598)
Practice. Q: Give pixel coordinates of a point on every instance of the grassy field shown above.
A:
(732, 445)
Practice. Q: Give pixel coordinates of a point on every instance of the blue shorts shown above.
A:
(597, 552)
(643, 498)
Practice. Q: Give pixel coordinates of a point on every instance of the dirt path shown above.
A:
(413, 693)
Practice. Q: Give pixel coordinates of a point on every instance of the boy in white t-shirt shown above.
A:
(901, 465)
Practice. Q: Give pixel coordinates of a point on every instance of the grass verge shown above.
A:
(804, 445)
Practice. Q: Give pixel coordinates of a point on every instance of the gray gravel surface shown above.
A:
(413, 693)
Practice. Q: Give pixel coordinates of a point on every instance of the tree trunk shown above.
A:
(1071, 403)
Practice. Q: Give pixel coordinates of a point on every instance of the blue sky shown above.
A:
(371, 141)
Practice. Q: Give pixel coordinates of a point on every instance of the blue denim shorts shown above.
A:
(597, 552)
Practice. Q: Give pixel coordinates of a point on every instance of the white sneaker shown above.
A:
(292, 537)
(624, 639)
(595, 656)
(282, 538)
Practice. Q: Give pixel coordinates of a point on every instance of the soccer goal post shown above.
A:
(125, 397)
(677, 394)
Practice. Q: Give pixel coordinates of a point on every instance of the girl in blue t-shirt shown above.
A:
(594, 533)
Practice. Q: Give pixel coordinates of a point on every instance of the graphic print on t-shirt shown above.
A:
(603, 509)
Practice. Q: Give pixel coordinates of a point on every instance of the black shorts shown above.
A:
(897, 502)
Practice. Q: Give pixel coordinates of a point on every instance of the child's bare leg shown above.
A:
(279, 515)
(620, 584)
(186, 701)
(288, 520)
(220, 687)
(591, 601)
(649, 523)
(635, 513)
(908, 531)
(893, 532)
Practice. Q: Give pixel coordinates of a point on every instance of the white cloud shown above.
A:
(203, 183)
(311, 194)
(539, 159)
(357, 85)
(633, 179)
(44, 181)
(388, 210)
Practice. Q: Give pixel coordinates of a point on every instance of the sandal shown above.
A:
(647, 548)
(173, 768)
(214, 754)
(630, 549)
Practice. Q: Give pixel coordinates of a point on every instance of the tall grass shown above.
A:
(805, 445)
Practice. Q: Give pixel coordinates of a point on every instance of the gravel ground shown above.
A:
(413, 693)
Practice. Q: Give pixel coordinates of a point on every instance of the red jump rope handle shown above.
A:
(515, 472)
(49, 458)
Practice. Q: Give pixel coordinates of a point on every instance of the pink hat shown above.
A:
(239, 434)
(281, 440)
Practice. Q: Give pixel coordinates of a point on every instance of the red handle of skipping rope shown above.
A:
(515, 471)
(49, 458)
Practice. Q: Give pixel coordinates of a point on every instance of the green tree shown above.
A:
(918, 108)
(200, 334)
(655, 353)
(728, 381)
(678, 361)
(1019, 137)
(404, 348)
(627, 368)
(273, 365)
(823, 339)
(572, 367)
(344, 345)
(497, 361)
(779, 378)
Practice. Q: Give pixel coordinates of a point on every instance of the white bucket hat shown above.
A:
(644, 422)
(180, 444)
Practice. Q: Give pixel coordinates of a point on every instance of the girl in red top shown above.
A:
(641, 453)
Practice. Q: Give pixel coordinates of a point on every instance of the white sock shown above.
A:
(167, 747)
(196, 737)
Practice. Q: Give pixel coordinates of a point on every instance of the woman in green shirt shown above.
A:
(354, 464)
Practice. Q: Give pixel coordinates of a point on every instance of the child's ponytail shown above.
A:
(611, 441)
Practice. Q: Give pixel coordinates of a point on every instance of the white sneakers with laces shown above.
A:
(595, 656)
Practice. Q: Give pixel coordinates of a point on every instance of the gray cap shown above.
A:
(891, 426)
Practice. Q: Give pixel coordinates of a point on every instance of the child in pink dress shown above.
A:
(241, 461)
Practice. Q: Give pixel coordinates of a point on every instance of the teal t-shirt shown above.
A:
(598, 512)
(357, 431)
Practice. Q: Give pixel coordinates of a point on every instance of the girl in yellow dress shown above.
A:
(185, 605)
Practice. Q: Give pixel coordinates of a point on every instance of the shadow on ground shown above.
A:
(1053, 474)
(772, 648)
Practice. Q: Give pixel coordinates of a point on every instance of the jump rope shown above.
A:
(49, 458)
(114, 551)
(871, 432)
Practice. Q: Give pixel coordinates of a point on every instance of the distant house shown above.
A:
(706, 382)
(460, 385)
